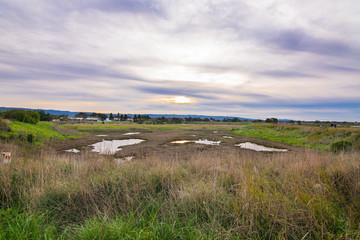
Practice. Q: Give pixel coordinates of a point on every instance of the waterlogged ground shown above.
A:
(170, 143)
(112, 146)
(259, 148)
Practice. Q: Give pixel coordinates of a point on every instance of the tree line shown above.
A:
(21, 116)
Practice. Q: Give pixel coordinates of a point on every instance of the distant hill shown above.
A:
(52, 112)
(194, 116)
(72, 114)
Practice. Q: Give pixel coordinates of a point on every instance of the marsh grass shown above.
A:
(211, 195)
(316, 137)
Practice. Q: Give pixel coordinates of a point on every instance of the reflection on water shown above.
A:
(111, 147)
(181, 141)
(131, 133)
(200, 141)
(227, 137)
(101, 135)
(73, 150)
(259, 148)
(207, 142)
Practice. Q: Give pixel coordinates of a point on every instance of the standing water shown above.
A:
(111, 147)
(259, 148)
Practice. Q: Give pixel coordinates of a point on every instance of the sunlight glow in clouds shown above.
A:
(257, 59)
(181, 99)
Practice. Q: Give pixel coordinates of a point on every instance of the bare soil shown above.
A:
(158, 144)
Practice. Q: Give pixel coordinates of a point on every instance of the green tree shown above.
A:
(22, 116)
(81, 115)
(272, 120)
(45, 116)
(102, 116)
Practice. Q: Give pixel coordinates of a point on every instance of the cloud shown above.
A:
(287, 74)
(133, 6)
(231, 57)
(176, 92)
(297, 40)
(342, 69)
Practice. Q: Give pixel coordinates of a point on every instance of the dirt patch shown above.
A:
(159, 143)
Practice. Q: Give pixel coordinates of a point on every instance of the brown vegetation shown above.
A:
(227, 191)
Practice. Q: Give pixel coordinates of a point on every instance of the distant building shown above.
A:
(92, 119)
(75, 119)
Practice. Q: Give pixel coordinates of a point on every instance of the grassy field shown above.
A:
(36, 133)
(316, 137)
(211, 193)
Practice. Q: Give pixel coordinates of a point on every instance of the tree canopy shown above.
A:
(22, 116)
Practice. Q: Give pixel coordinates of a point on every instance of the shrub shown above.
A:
(22, 116)
(340, 146)
(4, 125)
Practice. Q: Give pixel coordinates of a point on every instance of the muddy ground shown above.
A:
(158, 143)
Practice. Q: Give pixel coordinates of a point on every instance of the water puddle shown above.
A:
(259, 148)
(111, 147)
(101, 135)
(73, 150)
(207, 142)
(181, 141)
(200, 141)
(131, 133)
(122, 160)
(227, 137)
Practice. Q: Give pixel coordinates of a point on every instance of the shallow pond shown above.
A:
(73, 150)
(259, 148)
(200, 141)
(207, 142)
(131, 133)
(181, 141)
(227, 137)
(111, 147)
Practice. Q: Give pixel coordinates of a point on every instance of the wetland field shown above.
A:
(180, 181)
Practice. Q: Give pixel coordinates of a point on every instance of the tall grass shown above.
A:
(212, 195)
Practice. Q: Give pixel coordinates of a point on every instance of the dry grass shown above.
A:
(226, 194)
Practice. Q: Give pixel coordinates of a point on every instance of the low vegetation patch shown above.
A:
(31, 133)
(320, 138)
(340, 146)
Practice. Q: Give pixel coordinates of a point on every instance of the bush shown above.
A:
(4, 125)
(340, 146)
(22, 116)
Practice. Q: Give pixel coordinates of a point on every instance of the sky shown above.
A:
(294, 59)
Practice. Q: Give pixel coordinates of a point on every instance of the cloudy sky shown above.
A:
(257, 59)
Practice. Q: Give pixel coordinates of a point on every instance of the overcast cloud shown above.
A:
(257, 59)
